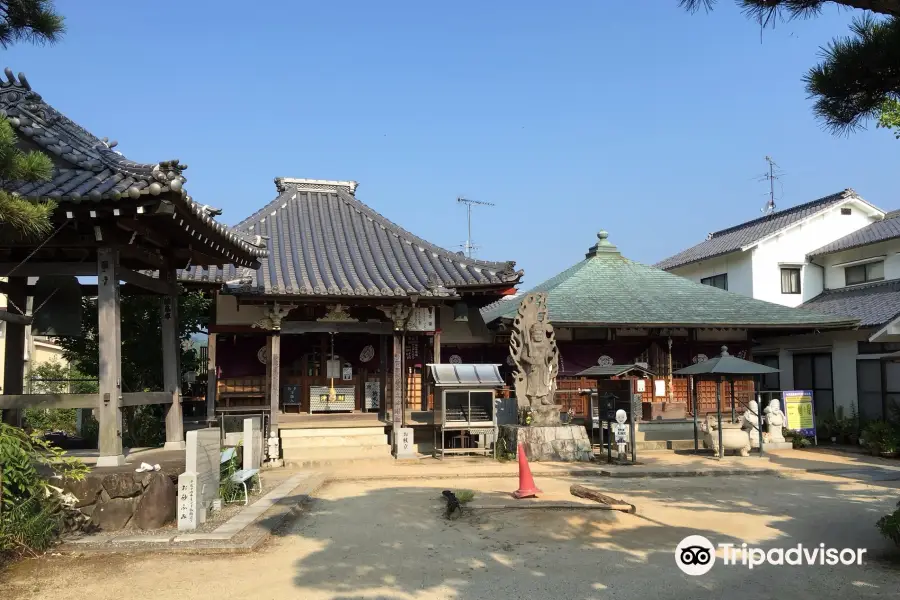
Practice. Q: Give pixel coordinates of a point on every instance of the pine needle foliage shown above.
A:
(859, 74)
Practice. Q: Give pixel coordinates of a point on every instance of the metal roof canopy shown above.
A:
(466, 375)
(615, 371)
(725, 364)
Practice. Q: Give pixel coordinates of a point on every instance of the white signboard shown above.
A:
(659, 388)
(189, 507)
(405, 446)
(641, 385)
(421, 319)
(620, 431)
(202, 460)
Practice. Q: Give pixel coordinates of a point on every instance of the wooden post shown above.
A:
(273, 372)
(14, 359)
(212, 378)
(171, 349)
(437, 347)
(109, 410)
(382, 368)
(397, 387)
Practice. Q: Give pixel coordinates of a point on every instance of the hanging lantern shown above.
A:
(57, 306)
(461, 312)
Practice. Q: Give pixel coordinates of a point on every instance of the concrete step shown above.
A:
(310, 455)
(341, 462)
(334, 441)
(330, 432)
(666, 445)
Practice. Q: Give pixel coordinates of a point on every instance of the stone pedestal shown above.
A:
(567, 443)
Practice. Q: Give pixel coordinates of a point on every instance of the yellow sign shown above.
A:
(798, 408)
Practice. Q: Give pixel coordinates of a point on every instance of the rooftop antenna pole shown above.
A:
(770, 205)
(468, 246)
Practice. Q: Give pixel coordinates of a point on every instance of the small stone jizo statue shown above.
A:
(750, 422)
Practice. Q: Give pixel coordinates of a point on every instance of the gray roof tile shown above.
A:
(324, 242)
(874, 304)
(97, 173)
(607, 289)
(879, 231)
(734, 238)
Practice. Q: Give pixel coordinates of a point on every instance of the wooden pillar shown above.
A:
(437, 347)
(14, 358)
(398, 383)
(382, 369)
(212, 378)
(171, 350)
(273, 376)
(109, 410)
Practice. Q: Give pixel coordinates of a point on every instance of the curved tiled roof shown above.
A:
(608, 290)
(879, 231)
(97, 173)
(737, 237)
(324, 242)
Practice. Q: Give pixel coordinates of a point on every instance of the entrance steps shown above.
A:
(334, 445)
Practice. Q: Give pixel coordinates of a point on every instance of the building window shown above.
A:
(790, 280)
(716, 281)
(813, 372)
(873, 271)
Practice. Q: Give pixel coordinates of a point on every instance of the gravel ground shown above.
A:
(390, 540)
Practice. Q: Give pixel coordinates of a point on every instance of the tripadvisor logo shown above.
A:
(696, 555)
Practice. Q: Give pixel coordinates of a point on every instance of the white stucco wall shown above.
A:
(834, 276)
(843, 348)
(227, 312)
(791, 248)
(737, 265)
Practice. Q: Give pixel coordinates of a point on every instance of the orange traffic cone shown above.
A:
(527, 488)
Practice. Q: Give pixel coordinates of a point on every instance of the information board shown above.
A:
(799, 412)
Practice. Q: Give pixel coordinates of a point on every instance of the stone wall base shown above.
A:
(567, 443)
(123, 500)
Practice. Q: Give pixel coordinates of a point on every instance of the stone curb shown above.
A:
(689, 473)
(714, 472)
(282, 511)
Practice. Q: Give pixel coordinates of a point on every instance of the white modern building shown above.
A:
(837, 255)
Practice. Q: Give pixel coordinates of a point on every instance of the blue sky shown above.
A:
(571, 117)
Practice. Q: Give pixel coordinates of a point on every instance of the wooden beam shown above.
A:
(143, 398)
(40, 269)
(14, 357)
(20, 401)
(109, 328)
(15, 318)
(146, 282)
(273, 377)
(212, 375)
(591, 494)
(151, 259)
(148, 233)
(171, 354)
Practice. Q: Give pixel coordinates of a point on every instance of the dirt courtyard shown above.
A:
(389, 539)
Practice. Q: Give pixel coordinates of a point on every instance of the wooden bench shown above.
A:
(242, 476)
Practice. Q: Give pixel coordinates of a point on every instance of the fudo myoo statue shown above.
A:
(533, 349)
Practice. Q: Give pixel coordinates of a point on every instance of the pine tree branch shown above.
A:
(765, 11)
(28, 218)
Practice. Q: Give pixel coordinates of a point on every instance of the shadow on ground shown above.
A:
(393, 542)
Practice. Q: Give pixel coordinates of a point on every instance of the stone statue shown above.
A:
(532, 347)
(775, 421)
(750, 422)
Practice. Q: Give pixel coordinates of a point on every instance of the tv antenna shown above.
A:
(468, 246)
(771, 176)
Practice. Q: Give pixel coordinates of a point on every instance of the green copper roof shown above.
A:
(607, 289)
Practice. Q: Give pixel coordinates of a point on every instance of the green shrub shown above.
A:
(881, 436)
(889, 525)
(465, 496)
(30, 512)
